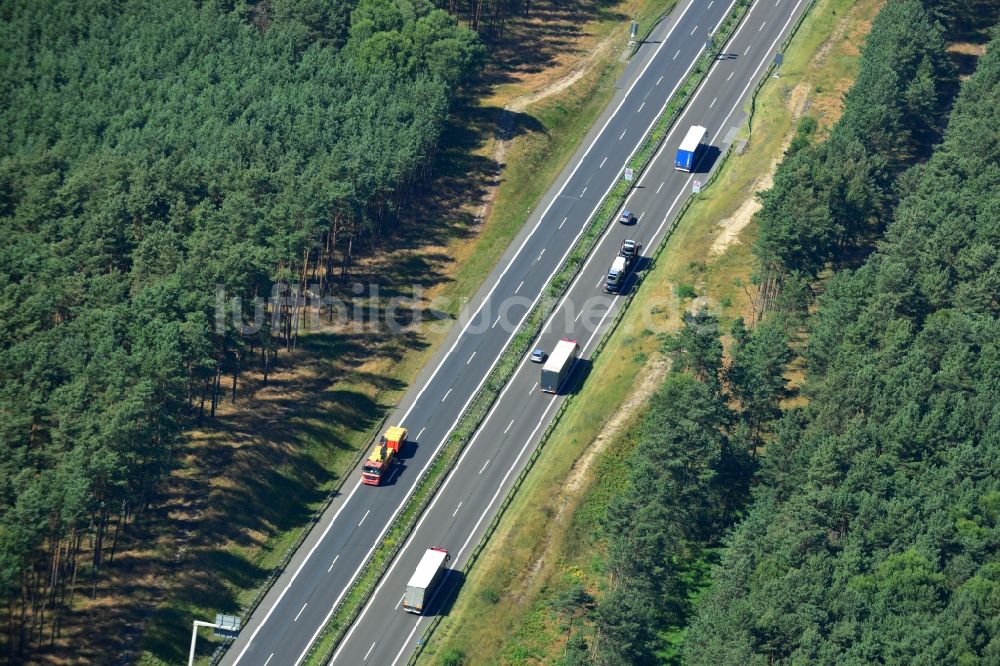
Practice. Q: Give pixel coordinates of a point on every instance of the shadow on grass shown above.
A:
(248, 480)
(575, 382)
(550, 30)
(446, 594)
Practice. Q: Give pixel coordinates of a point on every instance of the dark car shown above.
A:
(539, 356)
(630, 248)
(627, 217)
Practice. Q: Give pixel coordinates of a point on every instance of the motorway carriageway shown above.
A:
(303, 599)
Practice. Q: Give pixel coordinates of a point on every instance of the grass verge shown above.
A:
(508, 610)
(384, 554)
(308, 452)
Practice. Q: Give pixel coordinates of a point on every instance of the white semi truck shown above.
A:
(559, 365)
(420, 589)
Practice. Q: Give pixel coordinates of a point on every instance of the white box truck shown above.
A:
(557, 368)
(429, 572)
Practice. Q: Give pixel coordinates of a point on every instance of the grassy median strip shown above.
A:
(508, 610)
(401, 528)
(535, 154)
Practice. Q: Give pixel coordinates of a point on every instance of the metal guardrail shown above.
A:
(602, 343)
(557, 417)
(518, 346)
(290, 552)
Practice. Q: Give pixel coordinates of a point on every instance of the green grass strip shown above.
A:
(550, 429)
(359, 593)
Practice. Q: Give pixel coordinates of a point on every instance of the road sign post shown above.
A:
(224, 625)
(629, 174)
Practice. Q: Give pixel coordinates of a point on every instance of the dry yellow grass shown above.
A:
(305, 426)
(535, 548)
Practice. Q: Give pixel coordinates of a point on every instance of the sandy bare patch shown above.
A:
(651, 379)
(632, 405)
(731, 227)
(967, 49)
(519, 104)
(798, 100)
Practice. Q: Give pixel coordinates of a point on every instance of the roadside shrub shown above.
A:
(452, 657)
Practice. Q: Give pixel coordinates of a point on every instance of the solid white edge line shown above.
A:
(455, 344)
(489, 414)
(566, 182)
(468, 447)
(475, 528)
(659, 230)
(562, 301)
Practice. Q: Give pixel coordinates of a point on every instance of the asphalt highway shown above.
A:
(296, 609)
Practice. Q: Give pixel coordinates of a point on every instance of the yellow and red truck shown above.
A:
(380, 461)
